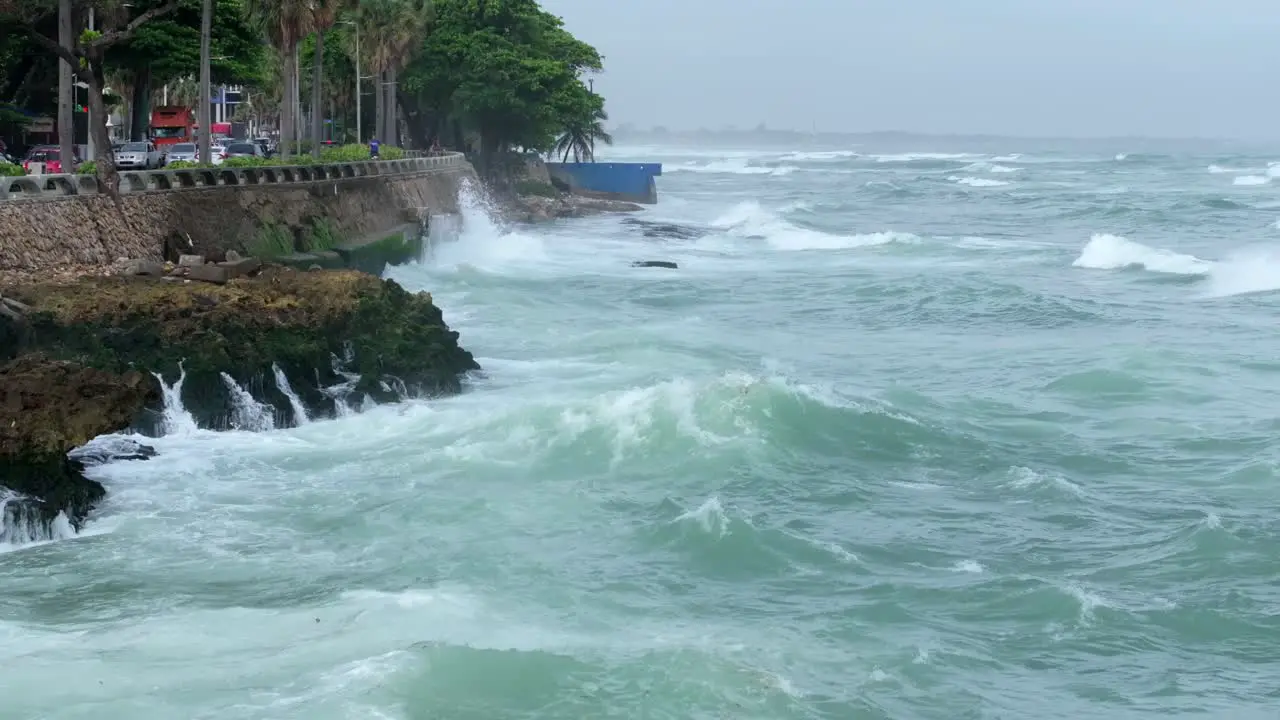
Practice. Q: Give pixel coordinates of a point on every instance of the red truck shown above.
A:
(173, 124)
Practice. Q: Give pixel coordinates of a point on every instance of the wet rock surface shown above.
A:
(83, 357)
(47, 408)
(539, 208)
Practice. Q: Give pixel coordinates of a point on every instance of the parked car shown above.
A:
(139, 155)
(51, 156)
(182, 152)
(265, 144)
(242, 149)
(218, 153)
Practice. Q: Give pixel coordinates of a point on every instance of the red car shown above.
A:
(50, 155)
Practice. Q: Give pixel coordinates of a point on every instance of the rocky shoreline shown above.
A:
(88, 350)
(543, 208)
(88, 356)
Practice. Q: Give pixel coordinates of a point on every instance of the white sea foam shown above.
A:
(1113, 252)
(1245, 271)
(751, 220)
(977, 182)
(729, 166)
(820, 155)
(914, 156)
(1241, 272)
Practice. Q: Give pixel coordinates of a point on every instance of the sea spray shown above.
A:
(247, 413)
(22, 525)
(175, 418)
(300, 416)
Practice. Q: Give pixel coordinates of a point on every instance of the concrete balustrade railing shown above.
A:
(136, 181)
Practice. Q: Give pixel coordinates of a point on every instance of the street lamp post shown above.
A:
(88, 127)
(359, 115)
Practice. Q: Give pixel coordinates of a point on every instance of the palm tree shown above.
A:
(390, 31)
(324, 13)
(579, 138)
(285, 23)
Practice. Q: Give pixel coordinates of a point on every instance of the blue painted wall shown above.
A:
(617, 181)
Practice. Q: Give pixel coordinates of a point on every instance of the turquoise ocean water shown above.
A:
(930, 432)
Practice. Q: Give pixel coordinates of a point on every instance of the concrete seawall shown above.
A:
(220, 211)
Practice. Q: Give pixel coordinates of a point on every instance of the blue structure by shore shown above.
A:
(632, 182)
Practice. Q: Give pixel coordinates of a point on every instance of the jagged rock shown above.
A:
(47, 408)
(240, 267)
(539, 208)
(143, 267)
(298, 320)
(209, 274)
(232, 256)
(105, 450)
(190, 260)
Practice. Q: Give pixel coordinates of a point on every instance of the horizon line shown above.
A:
(624, 129)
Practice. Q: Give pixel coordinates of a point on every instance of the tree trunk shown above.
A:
(393, 115)
(287, 66)
(297, 99)
(104, 161)
(206, 91)
(140, 112)
(379, 99)
(317, 100)
(66, 90)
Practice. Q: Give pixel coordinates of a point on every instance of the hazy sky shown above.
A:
(1021, 67)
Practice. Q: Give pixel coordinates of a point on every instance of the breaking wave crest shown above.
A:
(1242, 271)
(751, 220)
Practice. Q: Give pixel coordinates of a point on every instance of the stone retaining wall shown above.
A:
(353, 199)
(35, 187)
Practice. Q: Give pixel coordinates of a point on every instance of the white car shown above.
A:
(216, 153)
(138, 156)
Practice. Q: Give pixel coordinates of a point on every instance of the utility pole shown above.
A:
(88, 126)
(66, 104)
(206, 126)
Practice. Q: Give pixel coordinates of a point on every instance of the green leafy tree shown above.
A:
(582, 118)
(391, 31)
(285, 23)
(506, 70)
(85, 52)
(167, 50)
(324, 13)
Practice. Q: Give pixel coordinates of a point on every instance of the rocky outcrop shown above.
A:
(396, 341)
(47, 408)
(541, 208)
(88, 230)
(83, 358)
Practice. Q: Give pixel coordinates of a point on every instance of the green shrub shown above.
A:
(536, 187)
(182, 165)
(247, 162)
(87, 168)
(323, 235)
(11, 170)
(272, 241)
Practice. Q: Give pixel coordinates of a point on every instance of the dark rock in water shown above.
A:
(47, 408)
(666, 230)
(83, 356)
(105, 450)
(655, 263)
(246, 327)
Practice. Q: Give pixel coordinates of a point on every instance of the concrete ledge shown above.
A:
(133, 181)
(374, 253)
